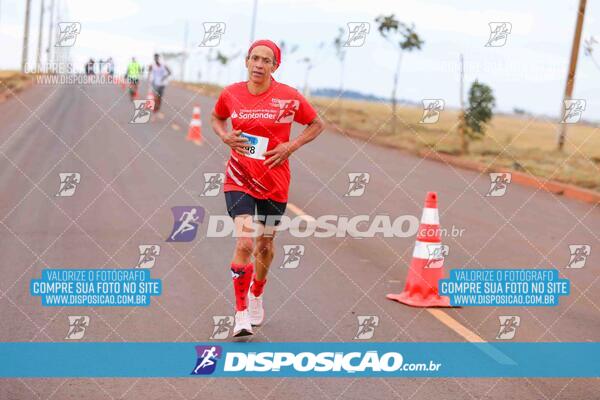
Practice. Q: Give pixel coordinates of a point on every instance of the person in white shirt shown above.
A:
(157, 75)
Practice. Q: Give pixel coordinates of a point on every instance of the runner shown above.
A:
(134, 70)
(157, 75)
(258, 174)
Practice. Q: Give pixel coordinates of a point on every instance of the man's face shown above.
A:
(260, 64)
(156, 59)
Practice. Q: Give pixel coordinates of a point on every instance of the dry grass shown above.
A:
(522, 143)
(207, 89)
(12, 80)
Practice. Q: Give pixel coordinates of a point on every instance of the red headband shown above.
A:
(269, 44)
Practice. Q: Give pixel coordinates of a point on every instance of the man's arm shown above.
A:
(231, 139)
(283, 151)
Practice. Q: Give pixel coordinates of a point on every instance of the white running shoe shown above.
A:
(242, 324)
(257, 312)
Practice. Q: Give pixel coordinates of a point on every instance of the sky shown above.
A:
(528, 72)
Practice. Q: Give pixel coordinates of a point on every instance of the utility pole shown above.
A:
(462, 127)
(253, 27)
(462, 82)
(572, 68)
(50, 33)
(38, 59)
(184, 52)
(25, 36)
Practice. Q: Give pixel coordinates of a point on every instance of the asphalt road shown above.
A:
(131, 176)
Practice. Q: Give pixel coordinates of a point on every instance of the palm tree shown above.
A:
(404, 38)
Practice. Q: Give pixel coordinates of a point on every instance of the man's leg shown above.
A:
(241, 264)
(263, 256)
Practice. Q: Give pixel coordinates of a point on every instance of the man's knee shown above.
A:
(244, 246)
(264, 247)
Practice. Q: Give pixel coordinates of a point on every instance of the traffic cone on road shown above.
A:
(150, 99)
(427, 265)
(195, 130)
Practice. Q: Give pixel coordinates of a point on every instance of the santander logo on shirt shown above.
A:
(282, 114)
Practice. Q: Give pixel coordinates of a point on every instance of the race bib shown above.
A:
(257, 146)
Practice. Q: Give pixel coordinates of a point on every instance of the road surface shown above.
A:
(132, 174)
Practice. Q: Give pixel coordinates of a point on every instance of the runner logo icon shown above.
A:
(77, 325)
(357, 34)
(499, 183)
(508, 326)
(185, 225)
(292, 255)
(67, 33)
(366, 326)
(579, 255)
(499, 32)
(142, 110)
(358, 183)
(213, 181)
(68, 183)
(287, 110)
(222, 326)
(207, 359)
(573, 111)
(148, 254)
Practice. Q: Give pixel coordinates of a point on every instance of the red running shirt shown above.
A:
(269, 115)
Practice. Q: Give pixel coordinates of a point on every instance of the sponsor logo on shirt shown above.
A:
(282, 114)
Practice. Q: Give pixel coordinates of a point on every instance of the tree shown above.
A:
(473, 121)
(404, 38)
(588, 47)
(287, 49)
(310, 64)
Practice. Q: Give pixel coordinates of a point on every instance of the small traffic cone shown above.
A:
(426, 267)
(122, 81)
(195, 130)
(150, 104)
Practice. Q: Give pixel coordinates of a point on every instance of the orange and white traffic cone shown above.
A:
(195, 130)
(150, 99)
(426, 267)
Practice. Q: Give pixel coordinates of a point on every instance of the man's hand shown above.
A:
(238, 143)
(279, 154)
